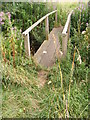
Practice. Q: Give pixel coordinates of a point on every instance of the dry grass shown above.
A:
(18, 102)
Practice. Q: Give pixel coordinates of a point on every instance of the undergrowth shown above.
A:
(65, 93)
(22, 97)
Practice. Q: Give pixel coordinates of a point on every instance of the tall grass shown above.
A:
(71, 75)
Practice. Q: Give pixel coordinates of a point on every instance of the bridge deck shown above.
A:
(48, 52)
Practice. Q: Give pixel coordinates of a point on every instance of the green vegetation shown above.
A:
(65, 91)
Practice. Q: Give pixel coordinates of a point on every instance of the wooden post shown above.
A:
(47, 27)
(56, 18)
(27, 44)
(64, 44)
(68, 31)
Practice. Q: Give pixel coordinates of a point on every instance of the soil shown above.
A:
(42, 75)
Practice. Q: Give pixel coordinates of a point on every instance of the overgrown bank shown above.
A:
(65, 93)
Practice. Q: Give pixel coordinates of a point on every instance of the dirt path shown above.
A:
(42, 76)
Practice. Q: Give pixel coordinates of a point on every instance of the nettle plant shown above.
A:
(12, 41)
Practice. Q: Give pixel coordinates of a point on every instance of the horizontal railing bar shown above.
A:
(67, 23)
(36, 23)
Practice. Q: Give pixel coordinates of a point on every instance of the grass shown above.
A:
(18, 103)
(23, 98)
(64, 94)
(18, 94)
(63, 10)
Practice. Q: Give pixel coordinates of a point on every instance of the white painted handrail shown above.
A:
(66, 34)
(36, 23)
(67, 23)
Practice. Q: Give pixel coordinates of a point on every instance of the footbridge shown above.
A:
(50, 49)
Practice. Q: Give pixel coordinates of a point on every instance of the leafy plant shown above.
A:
(80, 18)
(12, 41)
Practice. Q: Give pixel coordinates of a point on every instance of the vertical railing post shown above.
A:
(56, 18)
(47, 27)
(68, 30)
(64, 44)
(27, 44)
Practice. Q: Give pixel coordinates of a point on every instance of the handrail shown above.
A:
(26, 32)
(36, 23)
(67, 23)
(66, 34)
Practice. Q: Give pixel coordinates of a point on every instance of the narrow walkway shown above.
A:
(46, 54)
